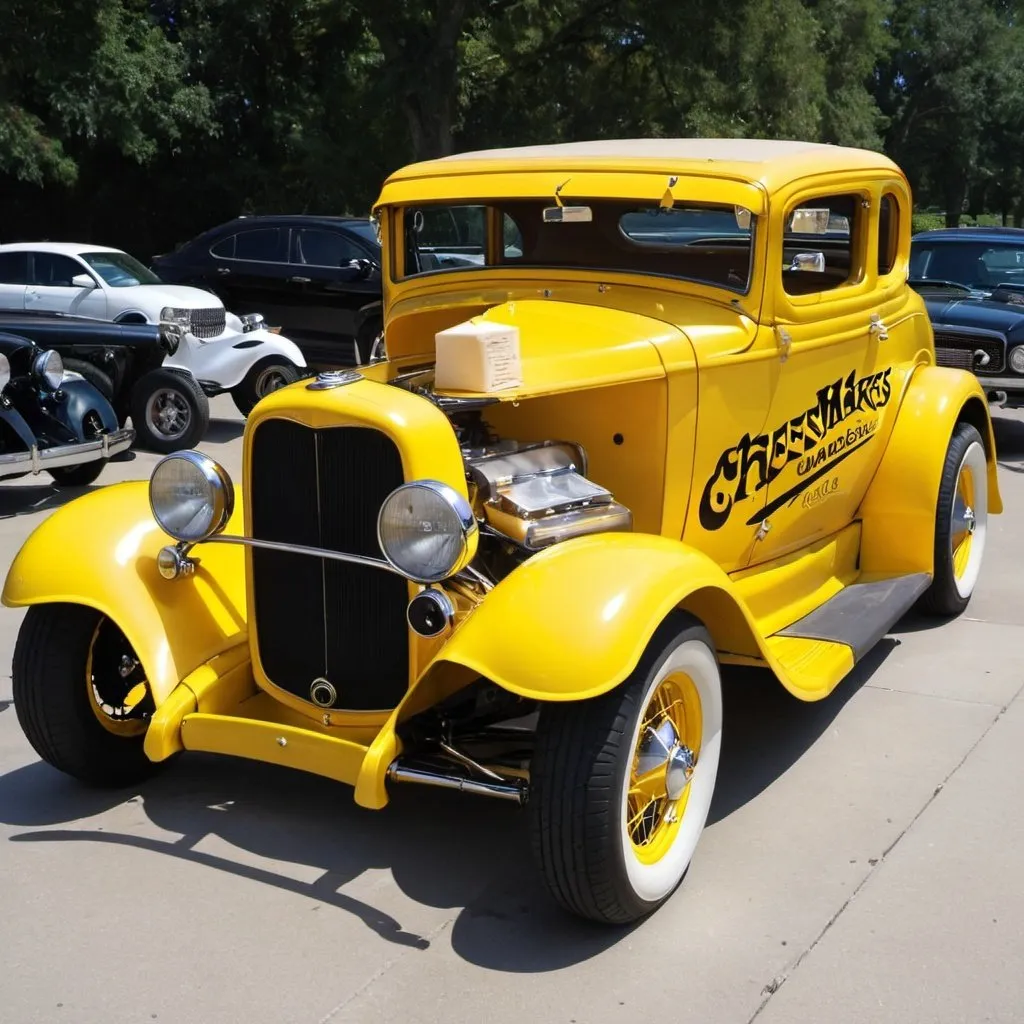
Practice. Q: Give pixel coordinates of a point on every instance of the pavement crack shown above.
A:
(380, 972)
(779, 980)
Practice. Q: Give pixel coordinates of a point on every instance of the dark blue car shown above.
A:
(972, 280)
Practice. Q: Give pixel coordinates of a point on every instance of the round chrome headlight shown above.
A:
(48, 368)
(5, 371)
(427, 531)
(191, 496)
(1017, 359)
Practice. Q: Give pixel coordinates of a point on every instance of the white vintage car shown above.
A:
(224, 352)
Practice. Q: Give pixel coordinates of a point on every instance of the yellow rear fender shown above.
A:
(100, 551)
(573, 621)
(898, 511)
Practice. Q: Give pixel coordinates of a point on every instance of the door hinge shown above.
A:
(785, 343)
(878, 327)
(762, 530)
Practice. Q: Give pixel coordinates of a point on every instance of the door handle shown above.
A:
(223, 270)
(300, 280)
(878, 327)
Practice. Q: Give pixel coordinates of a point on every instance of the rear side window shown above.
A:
(225, 248)
(259, 245)
(13, 268)
(821, 244)
(888, 233)
(318, 248)
(53, 270)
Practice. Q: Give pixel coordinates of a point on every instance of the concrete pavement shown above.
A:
(862, 862)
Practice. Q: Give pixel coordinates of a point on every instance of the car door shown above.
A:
(333, 275)
(249, 272)
(845, 343)
(51, 286)
(13, 279)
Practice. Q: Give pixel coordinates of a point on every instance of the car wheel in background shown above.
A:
(169, 411)
(264, 377)
(100, 380)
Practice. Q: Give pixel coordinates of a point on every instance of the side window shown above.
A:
(888, 233)
(820, 246)
(224, 249)
(53, 270)
(259, 245)
(13, 268)
(318, 248)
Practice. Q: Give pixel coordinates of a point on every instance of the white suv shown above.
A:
(108, 284)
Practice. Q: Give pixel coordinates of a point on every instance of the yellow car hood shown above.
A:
(566, 346)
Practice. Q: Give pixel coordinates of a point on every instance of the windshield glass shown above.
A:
(978, 265)
(697, 242)
(119, 269)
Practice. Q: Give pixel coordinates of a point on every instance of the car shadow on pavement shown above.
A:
(1009, 435)
(27, 500)
(442, 849)
(224, 431)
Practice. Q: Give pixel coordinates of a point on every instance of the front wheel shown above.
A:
(266, 376)
(81, 695)
(621, 784)
(961, 522)
(169, 411)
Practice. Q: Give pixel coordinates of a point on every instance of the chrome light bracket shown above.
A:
(329, 379)
(173, 562)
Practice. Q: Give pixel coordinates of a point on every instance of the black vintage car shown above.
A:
(316, 278)
(53, 420)
(972, 281)
(168, 408)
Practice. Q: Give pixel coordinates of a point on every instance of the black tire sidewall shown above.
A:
(188, 387)
(942, 598)
(78, 476)
(244, 394)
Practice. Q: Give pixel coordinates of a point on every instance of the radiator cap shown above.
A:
(333, 379)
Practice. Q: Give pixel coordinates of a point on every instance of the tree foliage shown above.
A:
(140, 122)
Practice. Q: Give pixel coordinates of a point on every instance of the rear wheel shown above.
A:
(264, 377)
(961, 523)
(169, 411)
(81, 695)
(621, 784)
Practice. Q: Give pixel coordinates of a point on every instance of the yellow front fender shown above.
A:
(898, 511)
(100, 550)
(573, 621)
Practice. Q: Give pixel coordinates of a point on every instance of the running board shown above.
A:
(862, 613)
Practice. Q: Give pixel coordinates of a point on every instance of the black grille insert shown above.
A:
(316, 617)
(953, 348)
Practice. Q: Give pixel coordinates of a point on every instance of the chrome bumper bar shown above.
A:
(38, 460)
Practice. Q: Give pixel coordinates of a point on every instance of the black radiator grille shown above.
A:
(955, 349)
(316, 617)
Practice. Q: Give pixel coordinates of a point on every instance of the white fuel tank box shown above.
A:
(478, 355)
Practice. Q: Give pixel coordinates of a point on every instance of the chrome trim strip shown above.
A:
(999, 382)
(299, 549)
(36, 459)
(980, 332)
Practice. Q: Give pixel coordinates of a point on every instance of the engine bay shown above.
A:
(526, 496)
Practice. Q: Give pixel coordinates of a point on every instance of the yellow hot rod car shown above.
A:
(707, 429)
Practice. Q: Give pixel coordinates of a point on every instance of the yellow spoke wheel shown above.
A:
(961, 521)
(81, 695)
(621, 785)
(663, 763)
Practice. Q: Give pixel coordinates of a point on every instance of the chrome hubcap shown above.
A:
(169, 413)
(964, 519)
(660, 748)
(269, 380)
